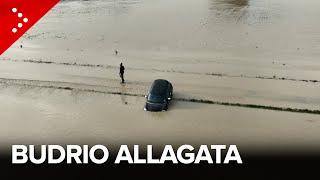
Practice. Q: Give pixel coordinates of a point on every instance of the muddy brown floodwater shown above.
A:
(63, 85)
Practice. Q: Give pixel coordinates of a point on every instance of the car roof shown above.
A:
(159, 87)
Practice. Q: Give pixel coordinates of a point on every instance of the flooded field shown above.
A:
(255, 37)
(239, 68)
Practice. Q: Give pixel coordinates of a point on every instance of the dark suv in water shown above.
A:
(159, 96)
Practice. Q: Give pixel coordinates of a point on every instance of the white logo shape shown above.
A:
(20, 24)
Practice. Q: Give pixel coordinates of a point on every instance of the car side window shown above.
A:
(169, 91)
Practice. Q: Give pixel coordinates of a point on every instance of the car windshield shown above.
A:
(155, 99)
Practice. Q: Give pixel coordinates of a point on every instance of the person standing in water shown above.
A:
(121, 73)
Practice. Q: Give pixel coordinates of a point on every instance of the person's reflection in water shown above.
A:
(123, 96)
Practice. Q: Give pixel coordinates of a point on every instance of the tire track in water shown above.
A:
(68, 87)
(167, 71)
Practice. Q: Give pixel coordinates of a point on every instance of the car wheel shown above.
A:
(166, 107)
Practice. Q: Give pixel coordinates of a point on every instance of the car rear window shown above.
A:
(159, 88)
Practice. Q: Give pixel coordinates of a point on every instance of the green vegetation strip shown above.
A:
(274, 77)
(256, 106)
(204, 101)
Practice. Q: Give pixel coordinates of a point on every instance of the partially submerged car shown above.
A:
(159, 96)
